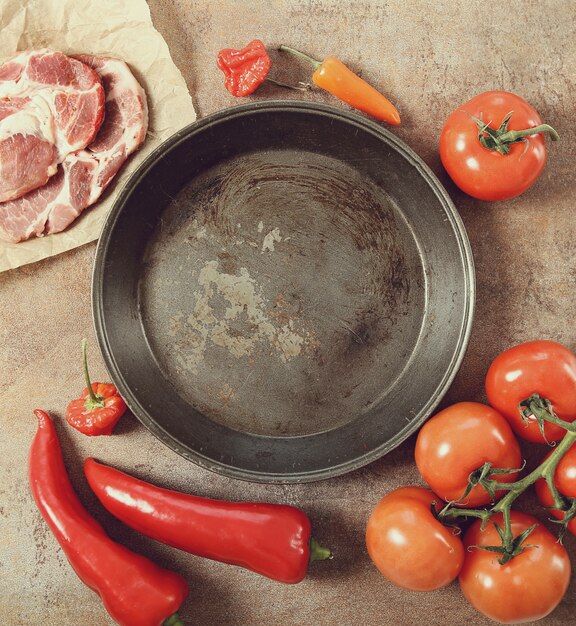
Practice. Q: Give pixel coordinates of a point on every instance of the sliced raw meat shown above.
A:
(71, 89)
(83, 175)
(50, 105)
(28, 155)
(26, 161)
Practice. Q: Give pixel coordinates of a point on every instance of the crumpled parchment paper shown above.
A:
(103, 28)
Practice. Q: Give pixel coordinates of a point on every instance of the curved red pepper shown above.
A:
(270, 539)
(244, 69)
(134, 590)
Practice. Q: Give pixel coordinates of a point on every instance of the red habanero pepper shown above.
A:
(98, 408)
(244, 69)
(135, 591)
(333, 76)
(271, 539)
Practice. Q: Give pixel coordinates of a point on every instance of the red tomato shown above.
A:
(459, 440)
(409, 546)
(483, 173)
(565, 481)
(528, 587)
(543, 367)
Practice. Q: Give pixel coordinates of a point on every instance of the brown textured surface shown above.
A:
(429, 57)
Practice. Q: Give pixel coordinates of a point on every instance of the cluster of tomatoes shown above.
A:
(415, 547)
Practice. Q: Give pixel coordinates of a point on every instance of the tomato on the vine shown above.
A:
(409, 545)
(459, 440)
(565, 482)
(545, 368)
(484, 151)
(526, 588)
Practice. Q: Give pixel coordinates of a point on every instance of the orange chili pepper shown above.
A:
(333, 76)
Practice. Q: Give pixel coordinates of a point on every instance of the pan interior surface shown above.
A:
(283, 292)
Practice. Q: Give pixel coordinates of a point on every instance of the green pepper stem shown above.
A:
(300, 55)
(299, 87)
(173, 620)
(94, 401)
(318, 552)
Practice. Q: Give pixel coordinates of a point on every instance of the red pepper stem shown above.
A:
(300, 55)
(318, 552)
(173, 620)
(93, 401)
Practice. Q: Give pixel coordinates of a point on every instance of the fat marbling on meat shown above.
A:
(83, 175)
(50, 105)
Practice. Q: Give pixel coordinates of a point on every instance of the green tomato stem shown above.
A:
(559, 500)
(501, 138)
(508, 541)
(541, 409)
(545, 470)
(450, 511)
(514, 135)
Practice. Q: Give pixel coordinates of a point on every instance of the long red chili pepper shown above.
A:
(135, 591)
(98, 408)
(271, 539)
(333, 76)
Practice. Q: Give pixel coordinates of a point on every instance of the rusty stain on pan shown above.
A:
(283, 292)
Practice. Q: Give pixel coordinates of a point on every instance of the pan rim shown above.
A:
(264, 476)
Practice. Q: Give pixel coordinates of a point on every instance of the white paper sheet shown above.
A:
(103, 28)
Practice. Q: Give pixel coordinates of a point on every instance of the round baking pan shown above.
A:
(283, 291)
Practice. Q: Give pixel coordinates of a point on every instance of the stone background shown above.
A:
(429, 57)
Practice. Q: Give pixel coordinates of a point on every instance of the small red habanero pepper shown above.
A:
(98, 408)
(271, 539)
(244, 69)
(135, 591)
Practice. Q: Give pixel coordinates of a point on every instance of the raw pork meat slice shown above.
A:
(50, 105)
(83, 175)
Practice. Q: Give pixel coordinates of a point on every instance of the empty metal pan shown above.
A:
(283, 292)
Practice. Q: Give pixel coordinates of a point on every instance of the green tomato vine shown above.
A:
(541, 410)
